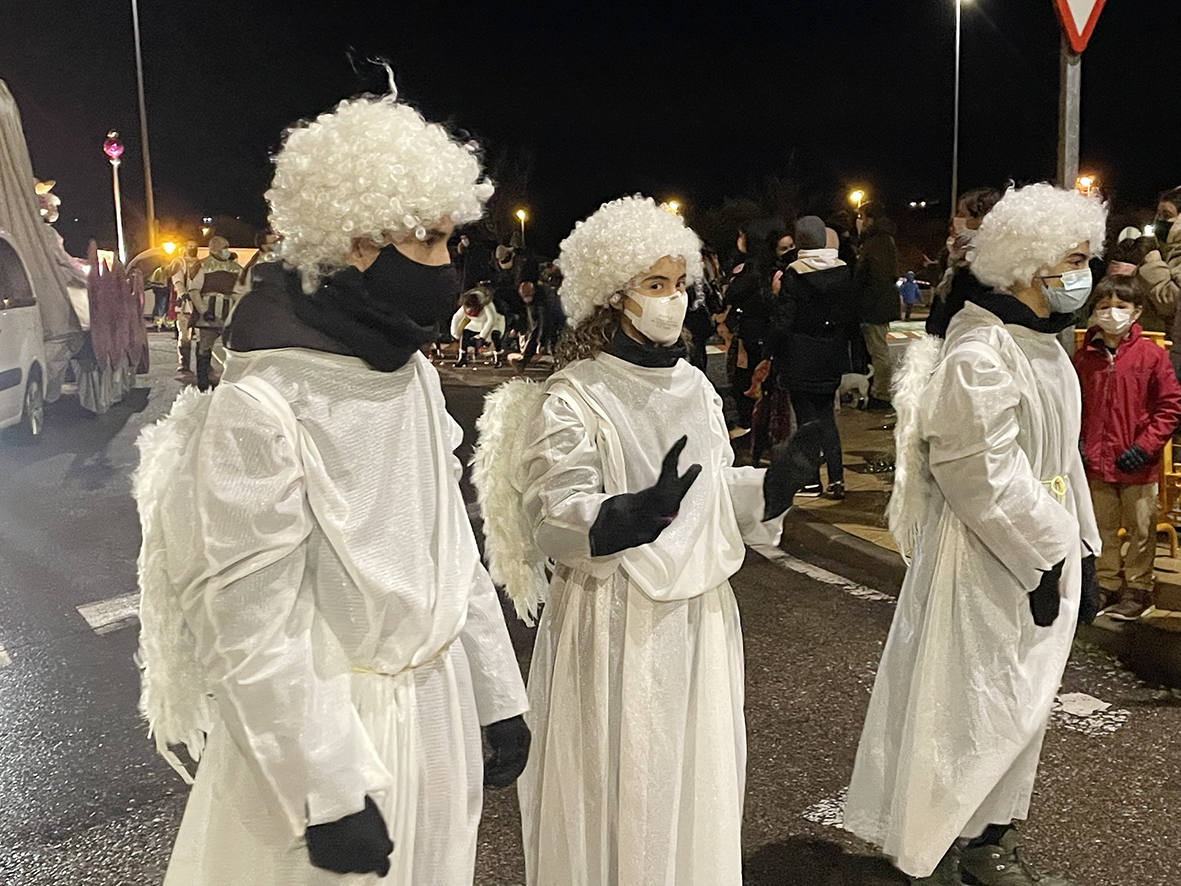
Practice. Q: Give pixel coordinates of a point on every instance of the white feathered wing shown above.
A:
(912, 471)
(173, 694)
(514, 560)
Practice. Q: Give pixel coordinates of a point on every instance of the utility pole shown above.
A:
(143, 127)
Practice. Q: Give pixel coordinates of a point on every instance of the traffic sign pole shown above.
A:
(1078, 19)
(1070, 68)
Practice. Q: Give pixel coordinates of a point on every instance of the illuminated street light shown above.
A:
(168, 246)
(113, 148)
(1085, 184)
(913, 204)
(522, 215)
(857, 197)
(673, 206)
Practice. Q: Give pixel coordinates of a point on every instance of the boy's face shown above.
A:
(1116, 304)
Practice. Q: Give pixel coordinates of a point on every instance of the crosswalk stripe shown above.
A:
(105, 616)
(795, 564)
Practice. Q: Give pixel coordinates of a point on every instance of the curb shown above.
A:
(844, 549)
(1152, 654)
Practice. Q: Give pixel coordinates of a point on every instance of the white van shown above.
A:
(22, 345)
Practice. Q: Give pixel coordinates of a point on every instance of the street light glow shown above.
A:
(168, 246)
(673, 206)
(522, 215)
(857, 197)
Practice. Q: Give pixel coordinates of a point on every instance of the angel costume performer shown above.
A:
(637, 771)
(313, 598)
(991, 498)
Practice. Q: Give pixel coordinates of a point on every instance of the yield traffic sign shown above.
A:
(1078, 20)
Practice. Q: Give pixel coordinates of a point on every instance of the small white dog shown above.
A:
(856, 386)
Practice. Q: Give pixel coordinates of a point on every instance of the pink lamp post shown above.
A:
(113, 148)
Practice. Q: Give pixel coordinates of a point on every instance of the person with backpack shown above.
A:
(314, 601)
(619, 471)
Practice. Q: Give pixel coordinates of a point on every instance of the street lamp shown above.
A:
(1085, 184)
(857, 197)
(168, 246)
(522, 215)
(113, 148)
(955, 126)
(673, 206)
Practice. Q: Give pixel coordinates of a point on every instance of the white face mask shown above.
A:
(1115, 321)
(662, 319)
(1072, 294)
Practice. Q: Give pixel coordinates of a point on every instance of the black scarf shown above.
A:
(373, 328)
(651, 355)
(1010, 310)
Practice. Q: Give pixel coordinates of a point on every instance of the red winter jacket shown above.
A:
(1131, 397)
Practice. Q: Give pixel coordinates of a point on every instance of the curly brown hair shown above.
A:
(588, 338)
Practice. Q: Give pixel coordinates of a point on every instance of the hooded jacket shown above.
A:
(1163, 280)
(876, 275)
(1129, 397)
(810, 326)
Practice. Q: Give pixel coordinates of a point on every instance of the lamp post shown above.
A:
(113, 148)
(521, 216)
(955, 125)
(1085, 184)
(857, 197)
(143, 127)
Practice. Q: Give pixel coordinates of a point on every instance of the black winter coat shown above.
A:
(811, 324)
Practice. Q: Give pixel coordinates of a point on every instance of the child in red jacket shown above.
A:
(1131, 405)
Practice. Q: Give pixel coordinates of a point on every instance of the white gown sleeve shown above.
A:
(746, 495)
(971, 425)
(563, 482)
(256, 635)
(496, 676)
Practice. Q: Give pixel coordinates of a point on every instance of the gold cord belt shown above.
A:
(1057, 485)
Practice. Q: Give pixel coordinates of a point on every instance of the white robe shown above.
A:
(327, 568)
(637, 770)
(966, 682)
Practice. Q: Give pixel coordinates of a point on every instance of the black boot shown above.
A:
(203, 362)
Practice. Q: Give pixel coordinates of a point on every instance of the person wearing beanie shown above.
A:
(813, 314)
(992, 508)
(618, 472)
(312, 596)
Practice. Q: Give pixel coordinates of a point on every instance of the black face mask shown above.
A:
(1162, 227)
(425, 293)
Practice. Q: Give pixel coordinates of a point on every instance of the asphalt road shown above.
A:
(85, 800)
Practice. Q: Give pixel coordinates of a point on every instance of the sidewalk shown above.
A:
(854, 532)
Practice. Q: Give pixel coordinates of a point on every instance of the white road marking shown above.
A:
(105, 616)
(830, 812)
(852, 588)
(5, 660)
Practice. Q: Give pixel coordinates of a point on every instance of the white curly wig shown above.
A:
(1033, 228)
(621, 239)
(370, 167)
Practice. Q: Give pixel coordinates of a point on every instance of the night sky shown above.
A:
(581, 102)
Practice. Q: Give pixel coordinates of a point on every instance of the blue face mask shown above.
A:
(1072, 294)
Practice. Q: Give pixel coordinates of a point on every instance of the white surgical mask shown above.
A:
(662, 319)
(1072, 294)
(1115, 321)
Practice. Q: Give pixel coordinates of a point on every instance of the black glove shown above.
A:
(794, 464)
(1044, 600)
(1088, 606)
(355, 844)
(1132, 459)
(637, 518)
(508, 740)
